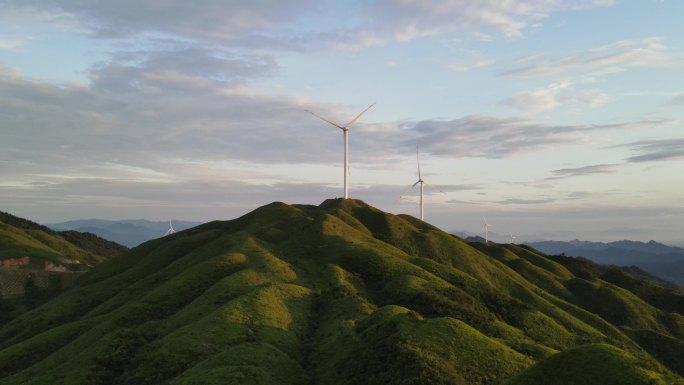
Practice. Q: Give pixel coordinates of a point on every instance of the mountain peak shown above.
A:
(339, 293)
(342, 204)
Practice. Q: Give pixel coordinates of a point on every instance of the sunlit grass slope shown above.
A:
(340, 293)
(20, 237)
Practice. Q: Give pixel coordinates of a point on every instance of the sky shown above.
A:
(551, 119)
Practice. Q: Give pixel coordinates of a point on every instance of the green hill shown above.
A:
(343, 293)
(22, 238)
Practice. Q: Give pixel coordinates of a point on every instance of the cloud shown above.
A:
(617, 57)
(554, 95)
(482, 136)
(409, 19)
(515, 201)
(212, 63)
(656, 150)
(677, 100)
(591, 98)
(150, 110)
(147, 116)
(9, 72)
(538, 100)
(585, 170)
(231, 22)
(11, 43)
(470, 66)
(277, 24)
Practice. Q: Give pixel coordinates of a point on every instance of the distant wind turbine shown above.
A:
(485, 229)
(422, 184)
(170, 230)
(345, 133)
(512, 237)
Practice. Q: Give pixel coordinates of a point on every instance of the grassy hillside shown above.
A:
(20, 237)
(343, 293)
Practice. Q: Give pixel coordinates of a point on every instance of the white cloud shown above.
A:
(539, 100)
(11, 43)
(611, 58)
(591, 98)
(409, 19)
(553, 96)
(9, 72)
(470, 66)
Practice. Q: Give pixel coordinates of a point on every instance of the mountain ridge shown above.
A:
(340, 293)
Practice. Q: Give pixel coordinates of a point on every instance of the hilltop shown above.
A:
(343, 293)
(21, 237)
(35, 257)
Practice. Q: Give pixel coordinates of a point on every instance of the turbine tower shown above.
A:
(423, 183)
(170, 230)
(485, 229)
(345, 134)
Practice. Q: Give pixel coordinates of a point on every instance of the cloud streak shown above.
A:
(617, 57)
(656, 150)
(585, 170)
(489, 137)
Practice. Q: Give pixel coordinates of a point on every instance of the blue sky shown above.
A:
(554, 119)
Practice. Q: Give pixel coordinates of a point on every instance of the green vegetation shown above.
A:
(343, 293)
(20, 237)
(596, 364)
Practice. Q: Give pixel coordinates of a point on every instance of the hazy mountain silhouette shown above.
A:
(666, 262)
(126, 232)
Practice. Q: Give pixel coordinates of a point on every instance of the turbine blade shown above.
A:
(407, 190)
(414, 185)
(324, 119)
(357, 117)
(418, 159)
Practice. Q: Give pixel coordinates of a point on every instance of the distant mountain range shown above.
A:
(130, 233)
(666, 262)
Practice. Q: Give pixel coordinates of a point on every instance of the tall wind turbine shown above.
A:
(422, 185)
(485, 229)
(170, 230)
(345, 133)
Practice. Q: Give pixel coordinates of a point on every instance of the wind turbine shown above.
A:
(345, 133)
(170, 230)
(512, 237)
(422, 184)
(485, 229)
